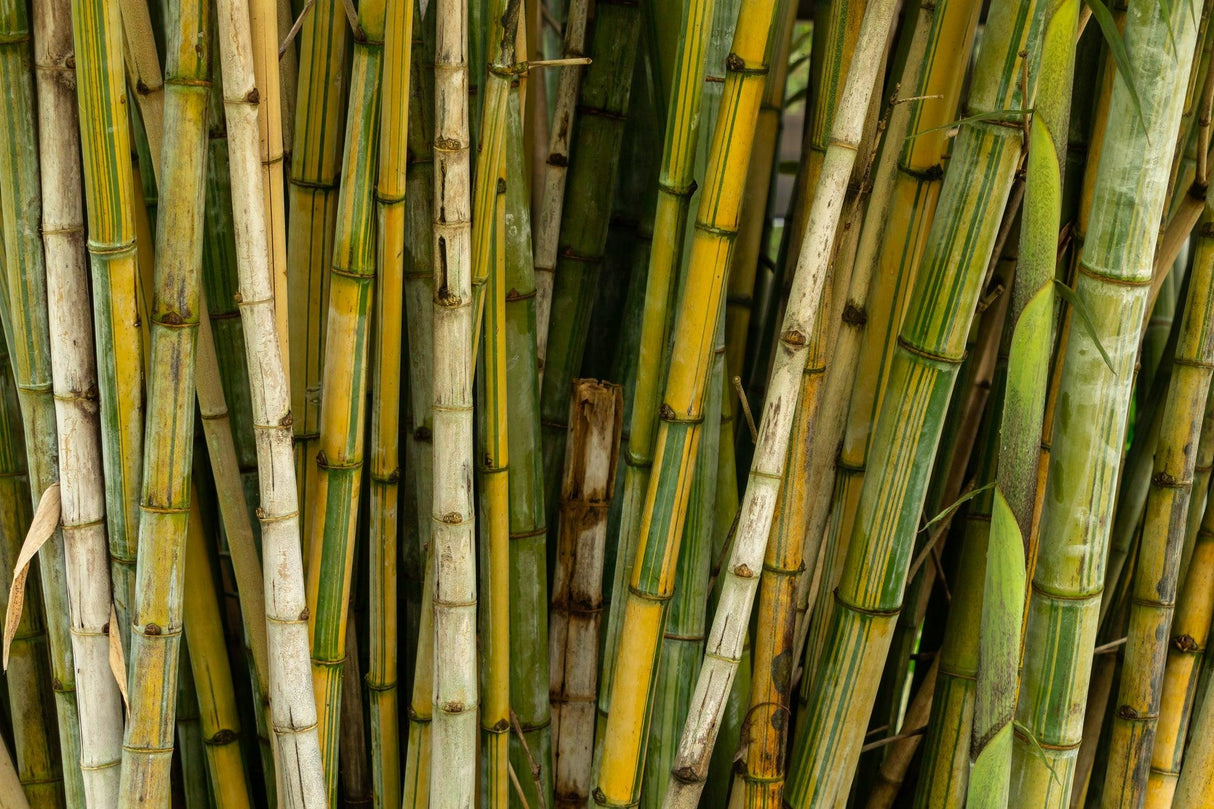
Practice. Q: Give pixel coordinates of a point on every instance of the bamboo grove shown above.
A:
(556, 404)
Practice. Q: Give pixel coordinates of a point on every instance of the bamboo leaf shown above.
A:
(970, 495)
(1037, 751)
(1085, 319)
(42, 527)
(1113, 38)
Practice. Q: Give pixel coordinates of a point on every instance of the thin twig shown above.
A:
(531, 64)
(910, 734)
(299, 21)
(518, 788)
(750, 418)
(352, 16)
(551, 22)
(1111, 646)
(536, 771)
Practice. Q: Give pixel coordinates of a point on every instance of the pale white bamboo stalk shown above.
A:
(454, 729)
(292, 704)
(77, 417)
(556, 169)
(729, 627)
(12, 796)
(596, 415)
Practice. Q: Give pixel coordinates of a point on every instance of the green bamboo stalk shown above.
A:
(316, 158)
(33, 718)
(556, 170)
(1157, 572)
(675, 187)
(293, 707)
(156, 620)
(1027, 379)
(343, 410)
(920, 381)
(455, 695)
(597, 136)
(1114, 273)
(384, 528)
(143, 72)
(105, 146)
(662, 521)
(190, 746)
(529, 642)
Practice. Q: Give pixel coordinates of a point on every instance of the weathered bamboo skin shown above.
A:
(293, 707)
(596, 416)
(455, 695)
(156, 619)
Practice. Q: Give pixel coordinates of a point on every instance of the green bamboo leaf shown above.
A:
(970, 495)
(998, 116)
(1085, 319)
(1112, 37)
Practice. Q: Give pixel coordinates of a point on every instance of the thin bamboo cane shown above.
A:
(208, 665)
(143, 73)
(1187, 643)
(662, 520)
(419, 308)
(344, 393)
(1157, 571)
(1196, 782)
(156, 619)
(108, 184)
(263, 23)
(1201, 486)
(34, 726)
(455, 694)
(556, 168)
(758, 505)
(892, 773)
(1114, 273)
(312, 211)
(355, 769)
(530, 668)
(288, 80)
(595, 422)
(384, 523)
(908, 424)
(596, 139)
(190, 762)
(493, 477)
(292, 704)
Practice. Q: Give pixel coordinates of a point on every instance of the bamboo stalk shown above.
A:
(1196, 780)
(530, 667)
(116, 288)
(189, 755)
(156, 619)
(335, 503)
(455, 694)
(38, 766)
(292, 704)
(143, 73)
(1157, 570)
(209, 669)
(596, 140)
(1115, 271)
(595, 423)
(662, 520)
(312, 211)
(758, 504)
(555, 173)
(355, 769)
(263, 24)
(908, 424)
(384, 527)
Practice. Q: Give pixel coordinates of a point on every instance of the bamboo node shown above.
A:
(224, 736)
(304, 614)
(854, 314)
(253, 96)
(557, 159)
(1184, 643)
(666, 412)
(142, 88)
(452, 518)
(742, 571)
(734, 62)
(794, 337)
(151, 629)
